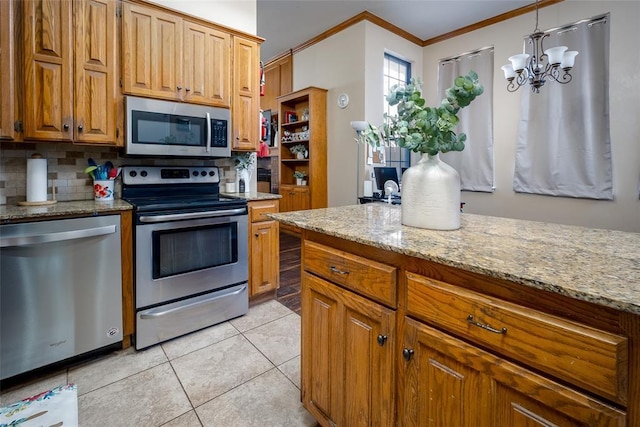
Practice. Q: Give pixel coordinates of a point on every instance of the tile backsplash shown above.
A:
(66, 163)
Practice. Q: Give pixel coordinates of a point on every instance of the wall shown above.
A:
(238, 14)
(623, 213)
(350, 62)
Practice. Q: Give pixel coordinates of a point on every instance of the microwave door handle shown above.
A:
(208, 132)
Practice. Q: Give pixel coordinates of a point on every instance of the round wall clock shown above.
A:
(343, 100)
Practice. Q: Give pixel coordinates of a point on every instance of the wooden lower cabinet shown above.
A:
(469, 350)
(295, 198)
(448, 382)
(348, 376)
(264, 248)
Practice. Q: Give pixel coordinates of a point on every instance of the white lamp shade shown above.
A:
(509, 73)
(569, 58)
(519, 61)
(359, 125)
(555, 54)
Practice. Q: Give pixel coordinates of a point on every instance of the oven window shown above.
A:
(190, 249)
(167, 129)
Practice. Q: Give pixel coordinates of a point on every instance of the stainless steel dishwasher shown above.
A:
(61, 290)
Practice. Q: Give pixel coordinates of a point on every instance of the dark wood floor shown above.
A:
(289, 291)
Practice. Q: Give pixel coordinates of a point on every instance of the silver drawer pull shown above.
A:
(338, 271)
(485, 326)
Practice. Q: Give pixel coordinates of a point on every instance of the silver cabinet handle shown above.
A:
(489, 328)
(7, 242)
(191, 215)
(337, 270)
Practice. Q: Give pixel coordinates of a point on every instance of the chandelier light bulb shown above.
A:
(519, 61)
(555, 54)
(568, 59)
(509, 72)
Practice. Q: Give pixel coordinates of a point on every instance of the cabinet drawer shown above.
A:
(366, 277)
(588, 358)
(260, 209)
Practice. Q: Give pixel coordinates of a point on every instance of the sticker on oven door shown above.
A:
(113, 332)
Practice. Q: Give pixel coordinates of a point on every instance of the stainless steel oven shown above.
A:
(167, 128)
(191, 251)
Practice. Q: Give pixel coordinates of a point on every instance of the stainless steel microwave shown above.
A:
(176, 129)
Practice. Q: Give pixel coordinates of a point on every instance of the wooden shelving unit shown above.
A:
(302, 121)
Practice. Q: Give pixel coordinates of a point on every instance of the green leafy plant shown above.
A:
(299, 174)
(425, 129)
(244, 160)
(298, 148)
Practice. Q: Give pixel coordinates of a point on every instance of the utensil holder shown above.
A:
(103, 190)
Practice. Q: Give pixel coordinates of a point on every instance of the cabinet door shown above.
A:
(151, 53)
(348, 375)
(246, 98)
(8, 81)
(301, 199)
(265, 258)
(48, 68)
(321, 366)
(207, 65)
(448, 382)
(95, 71)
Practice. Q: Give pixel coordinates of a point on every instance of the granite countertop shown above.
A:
(595, 265)
(252, 196)
(10, 213)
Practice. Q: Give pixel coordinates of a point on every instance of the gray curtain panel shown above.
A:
(563, 142)
(475, 162)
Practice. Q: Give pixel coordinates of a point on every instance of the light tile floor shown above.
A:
(244, 372)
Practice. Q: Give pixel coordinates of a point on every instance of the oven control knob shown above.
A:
(195, 173)
(212, 173)
(143, 174)
(133, 174)
(203, 173)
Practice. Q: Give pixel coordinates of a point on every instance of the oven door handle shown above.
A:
(160, 312)
(208, 132)
(192, 215)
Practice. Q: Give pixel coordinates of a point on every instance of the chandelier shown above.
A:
(539, 66)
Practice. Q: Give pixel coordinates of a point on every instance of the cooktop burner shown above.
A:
(150, 188)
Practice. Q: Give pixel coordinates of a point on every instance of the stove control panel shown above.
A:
(145, 175)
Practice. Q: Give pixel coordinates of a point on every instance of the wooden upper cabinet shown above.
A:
(168, 57)
(278, 81)
(95, 71)
(48, 68)
(207, 65)
(8, 83)
(246, 97)
(63, 101)
(151, 52)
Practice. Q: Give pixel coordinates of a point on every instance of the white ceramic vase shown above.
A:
(431, 195)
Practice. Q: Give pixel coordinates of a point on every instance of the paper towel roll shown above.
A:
(368, 188)
(36, 179)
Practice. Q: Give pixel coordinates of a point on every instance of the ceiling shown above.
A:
(284, 24)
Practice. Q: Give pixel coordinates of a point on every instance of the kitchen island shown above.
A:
(503, 321)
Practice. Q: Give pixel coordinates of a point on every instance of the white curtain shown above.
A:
(563, 143)
(475, 162)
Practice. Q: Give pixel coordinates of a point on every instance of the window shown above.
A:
(563, 146)
(475, 162)
(396, 72)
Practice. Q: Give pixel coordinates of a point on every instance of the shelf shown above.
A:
(294, 160)
(295, 124)
(295, 142)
